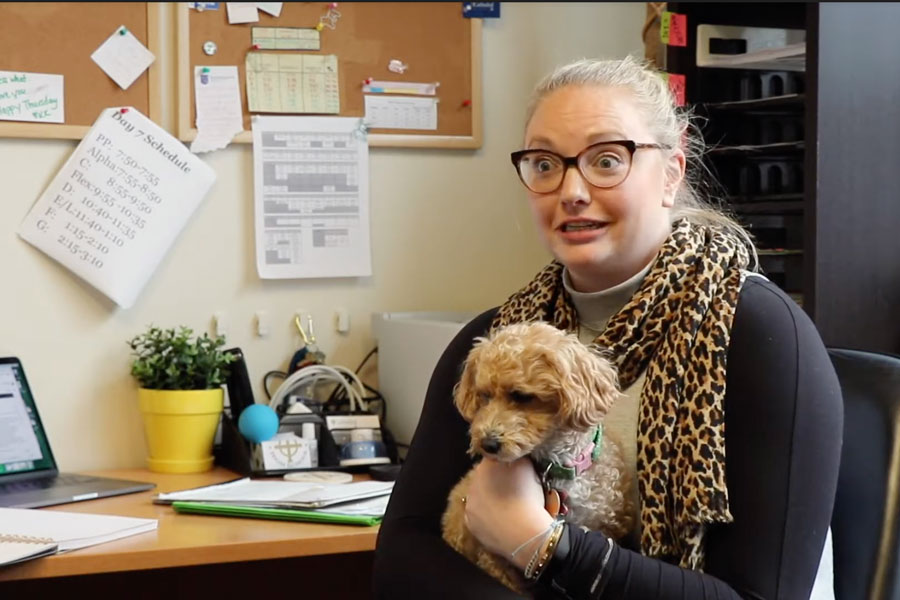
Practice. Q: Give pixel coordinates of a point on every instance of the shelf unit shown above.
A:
(808, 159)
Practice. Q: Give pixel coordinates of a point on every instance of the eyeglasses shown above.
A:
(603, 165)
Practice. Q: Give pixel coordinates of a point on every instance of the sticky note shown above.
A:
(673, 29)
(35, 97)
(678, 30)
(242, 12)
(677, 84)
(123, 57)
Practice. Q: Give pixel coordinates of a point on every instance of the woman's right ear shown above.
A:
(464, 396)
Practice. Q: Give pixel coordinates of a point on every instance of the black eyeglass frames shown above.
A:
(603, 165)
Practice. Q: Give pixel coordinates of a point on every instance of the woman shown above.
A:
(716, 363)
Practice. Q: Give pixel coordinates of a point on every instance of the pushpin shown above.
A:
(205, 70)
(123, 31)
(204, 75)
(255, 46)
(320, 27)
(123, 110)
(467, 103)
(368, 80)
(334, 5)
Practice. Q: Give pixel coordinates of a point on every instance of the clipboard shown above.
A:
(279, 514)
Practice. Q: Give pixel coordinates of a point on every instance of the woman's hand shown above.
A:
(505, 507)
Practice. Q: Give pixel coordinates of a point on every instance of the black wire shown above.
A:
(281, 374)
(368, 356)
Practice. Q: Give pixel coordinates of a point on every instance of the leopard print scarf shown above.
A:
(676, 327)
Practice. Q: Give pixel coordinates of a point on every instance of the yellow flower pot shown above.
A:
(180, 427)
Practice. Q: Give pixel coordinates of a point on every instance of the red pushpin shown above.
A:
(467, 103)
(368, 80)
(255, 46)
(123, 110)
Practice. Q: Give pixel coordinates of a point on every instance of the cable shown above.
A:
(276, 373)
(312, 374)
(368, 356)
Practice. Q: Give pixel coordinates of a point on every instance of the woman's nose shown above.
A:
(574, 189)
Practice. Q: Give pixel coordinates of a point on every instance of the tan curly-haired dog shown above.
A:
(532, 389)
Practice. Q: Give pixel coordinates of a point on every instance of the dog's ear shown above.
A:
(589, 387)
(464, 396)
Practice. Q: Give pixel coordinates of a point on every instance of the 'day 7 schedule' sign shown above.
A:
(117, 205)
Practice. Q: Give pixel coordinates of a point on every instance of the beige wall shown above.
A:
(450, 231)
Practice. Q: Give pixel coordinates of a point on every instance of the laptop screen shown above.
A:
(23, 443)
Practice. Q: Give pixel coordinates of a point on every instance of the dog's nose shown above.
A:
(490, 445)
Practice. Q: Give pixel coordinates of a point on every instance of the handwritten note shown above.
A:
(123, 57)
(292, 83)
(36, 97)
(286, 38)
(673, 29)
(118, 203)
(219, 116)
(401, 113)
(677, 84)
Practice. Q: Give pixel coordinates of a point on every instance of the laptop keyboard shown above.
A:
(39, 484)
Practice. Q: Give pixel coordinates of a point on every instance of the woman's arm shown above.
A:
(784, 423)
(411, 558)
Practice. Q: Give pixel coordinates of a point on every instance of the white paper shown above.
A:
(71, 530)
(296, 494)
(118, 203)
(242, 12)
(123, 57)
(311, 189)
(218, 100)
(410, 88)
(394, 112)
(273, 8)
(35, 97)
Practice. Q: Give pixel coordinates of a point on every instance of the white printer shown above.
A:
(409, 346)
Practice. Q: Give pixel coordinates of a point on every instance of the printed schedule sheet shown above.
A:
(311, 184)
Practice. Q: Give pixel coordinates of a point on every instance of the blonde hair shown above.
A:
(697, 197)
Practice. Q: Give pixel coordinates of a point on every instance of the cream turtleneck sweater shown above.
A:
(594, 311)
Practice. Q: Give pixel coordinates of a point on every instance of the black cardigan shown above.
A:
(783, 421)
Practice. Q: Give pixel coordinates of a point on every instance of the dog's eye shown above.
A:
(520, 397)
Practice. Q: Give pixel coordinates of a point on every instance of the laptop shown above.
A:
(29, 477)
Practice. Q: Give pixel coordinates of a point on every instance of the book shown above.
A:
(281, 514)
(27, 533)
(280, 494)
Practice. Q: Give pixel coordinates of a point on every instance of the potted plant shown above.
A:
(180, 380)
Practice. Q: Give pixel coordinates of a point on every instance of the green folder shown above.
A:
(280, 514)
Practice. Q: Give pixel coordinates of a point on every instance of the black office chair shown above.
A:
(865, 522)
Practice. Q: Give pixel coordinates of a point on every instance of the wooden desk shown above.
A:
(198, 554)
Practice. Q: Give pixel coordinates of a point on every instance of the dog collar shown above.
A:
(575, 467)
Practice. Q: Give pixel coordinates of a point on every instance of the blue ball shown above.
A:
(258, 423)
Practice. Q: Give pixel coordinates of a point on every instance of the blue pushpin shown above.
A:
(123, 31)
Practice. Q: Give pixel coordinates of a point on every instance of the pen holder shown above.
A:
(238, 454)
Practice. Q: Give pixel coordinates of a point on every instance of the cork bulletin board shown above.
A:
(59, 38)
(433, 38)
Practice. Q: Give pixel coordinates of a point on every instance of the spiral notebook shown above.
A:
(27, 533)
